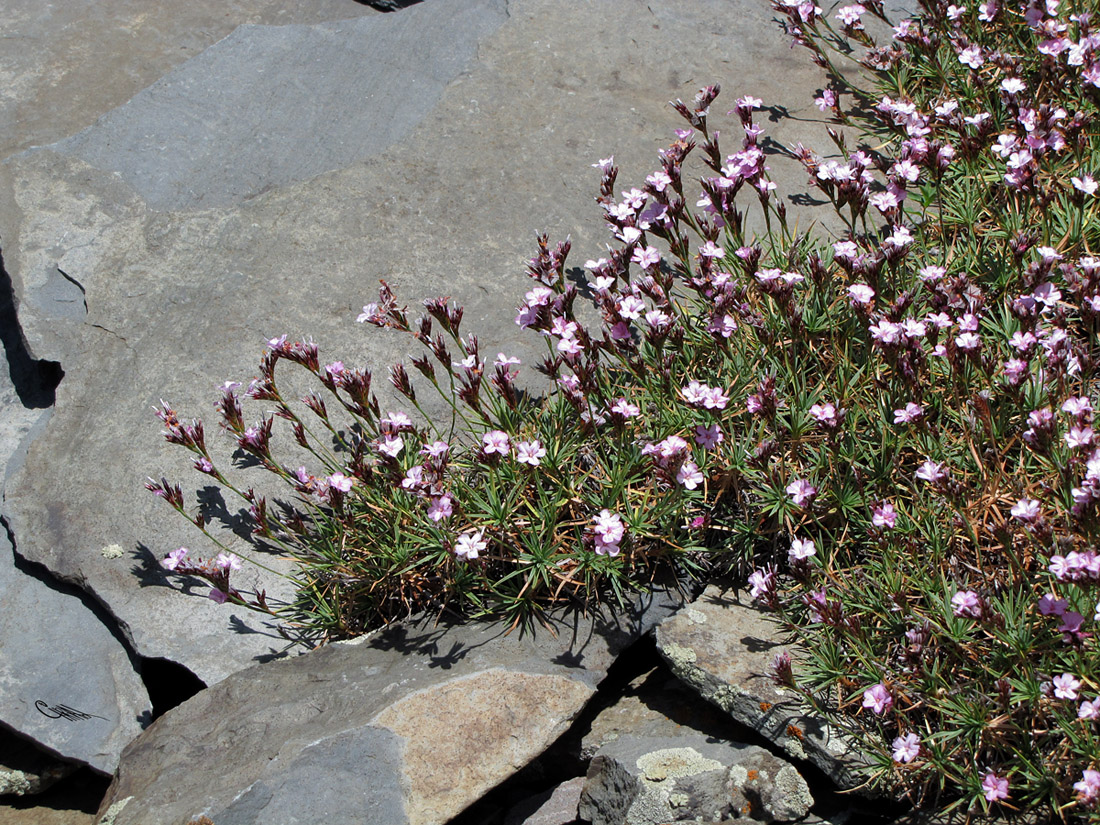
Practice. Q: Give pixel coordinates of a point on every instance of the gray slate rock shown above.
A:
(179, 302)
(655, 704)
(555, 807)
(66, 682)
(410, 725)
(272, 105)
(653, 780)
(724, 648)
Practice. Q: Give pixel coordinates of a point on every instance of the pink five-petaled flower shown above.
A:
(689, 475)
(801, 492)
(911, 412)
(709, 437)
(825, 414)
(1088, 789)
(1079, 437)
(878, 699)
(994, 787)
(1066, 686)
(971, 57)
(906, 748)
(624, 408)
(609, 530)
(967, 604)
(931, 471)
(801, 549)
(530, 452)
(227, 561)
(1089, 709)
(1051, 605)
(711, 250)
(469, 545)
(884, 516)
(391, 446)
(440, 508)
(1026, 509)
(174, 559)
(761, 582)
(495, 441)
(341, 482)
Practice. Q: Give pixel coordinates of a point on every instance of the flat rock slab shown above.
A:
(556, 807)
(724, 649)
(650, 780)
(66, 683)
(655, 703)
(169, 297)
(410, 725)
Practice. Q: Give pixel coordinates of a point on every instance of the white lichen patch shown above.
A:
(113, 812)
(695, 616)
(112, 551)
(673, 763)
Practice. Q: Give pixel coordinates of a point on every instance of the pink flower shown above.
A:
(495, 441)
(1026, 509)
(1078, 437)
(968, 341)
(646, 256)
(994, 787)
(341, 482)
(217, 596)
(440, 508)
(801, 492)
(906, 748)
(609, 531)
(1088, 789)
(414, 477)
(1089, 709)
(711, 250)
(227, 561)
(825, 414)
(1066, 686)
(689, 475)
(910, 413)
(878, 699)
(437, 449)
(1085, 184)
(469, 545)
(860, 294)
(624, 408)
(174, 559)
(530, 452)
(884, 515)
(971, 57)
(761, 583)
(931, 471)
(708, 437)
(1051, 605)
(391, 446)
(966, 603)
(801, 549)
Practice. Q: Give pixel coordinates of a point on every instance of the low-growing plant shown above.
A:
(890, 427)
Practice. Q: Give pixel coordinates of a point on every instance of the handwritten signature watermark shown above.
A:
(64, 712)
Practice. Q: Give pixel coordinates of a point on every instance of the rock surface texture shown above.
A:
(65, 681)
(647, 780)
(410, 725)
(724, 649)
